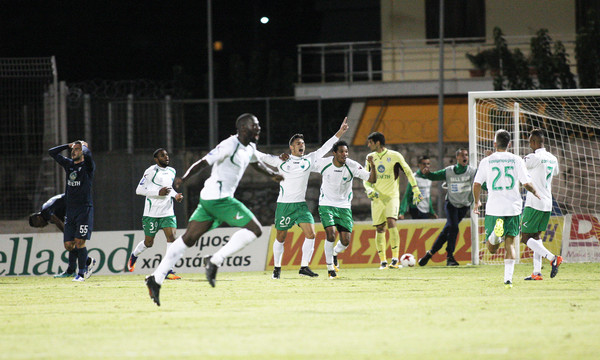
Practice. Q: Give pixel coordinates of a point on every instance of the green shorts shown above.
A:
(534, 220)
(340, 217)
(289, 214)
(151, 224)
(226, 210)
(511, 224)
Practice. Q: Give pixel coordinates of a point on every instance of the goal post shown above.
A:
(571, 121)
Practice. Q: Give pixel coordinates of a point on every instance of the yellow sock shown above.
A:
(395, 242)
(380, 245)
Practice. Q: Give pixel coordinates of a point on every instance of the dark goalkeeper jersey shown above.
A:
(78, 190)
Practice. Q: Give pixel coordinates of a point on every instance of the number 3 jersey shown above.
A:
(154, 179)
(502, 172)
(542, 167)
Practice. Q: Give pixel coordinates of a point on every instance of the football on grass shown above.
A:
(407, 260)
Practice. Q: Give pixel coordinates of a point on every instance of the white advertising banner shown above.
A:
(581, 238)
(44, 253)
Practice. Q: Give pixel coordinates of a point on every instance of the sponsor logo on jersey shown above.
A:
(381, 168)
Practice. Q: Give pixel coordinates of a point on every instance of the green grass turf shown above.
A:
(424, 313)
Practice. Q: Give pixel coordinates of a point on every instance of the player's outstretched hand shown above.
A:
(372, 194)
(179, 197)
(417, 197)
(164, 191)
(284, 156)
(476, 207)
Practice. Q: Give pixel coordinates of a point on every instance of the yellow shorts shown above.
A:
(381, 210)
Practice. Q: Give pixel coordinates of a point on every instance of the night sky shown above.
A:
(122, 40)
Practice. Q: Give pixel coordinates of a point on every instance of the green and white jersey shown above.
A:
(503, 171)
(542, 166)
(154, 179)
(336, 182)
(424, 186)
(296, 171)
(229, 161)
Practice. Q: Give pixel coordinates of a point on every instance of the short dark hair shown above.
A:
(502, 139)
(296, 136)
(459, 150)
(243, 119)
(538, 133)
(377, 136)
(338, 144)
(424, 157)
(155, 154)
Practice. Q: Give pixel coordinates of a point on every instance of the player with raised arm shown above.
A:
(291, 202)
(502, 172)
(79, 220)
(335, 199)
(542, 167)
(229, 161)
(156, 186)
(385, 195)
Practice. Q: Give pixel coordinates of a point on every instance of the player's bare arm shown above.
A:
(343, 128)
(373, 173)
(261, 168)
(476, 192)
(529, 187)
(196, 167)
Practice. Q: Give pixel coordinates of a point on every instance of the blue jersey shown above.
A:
(78, 191)
(55, 205)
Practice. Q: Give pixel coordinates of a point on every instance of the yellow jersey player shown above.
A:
(385, 195)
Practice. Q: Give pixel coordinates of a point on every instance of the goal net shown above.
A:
(28, 128)
(571, 121)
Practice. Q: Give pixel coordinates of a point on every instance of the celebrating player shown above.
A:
(291, 203)
(385, 195)
(156, 186)
(79, 221)
(229, 160)
(337, 173)
(502, 171)
(542, 167)
(459, 198)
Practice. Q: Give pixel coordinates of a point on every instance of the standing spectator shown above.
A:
(424, 209)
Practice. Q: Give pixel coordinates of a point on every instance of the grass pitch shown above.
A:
(425, 313)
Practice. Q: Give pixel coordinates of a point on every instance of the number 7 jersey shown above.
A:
(502, 172)
(542, 167)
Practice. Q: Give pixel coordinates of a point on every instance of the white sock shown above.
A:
(277, 253)
(509, 269)
(308, 247)
(169, 245)
(173, 254)
(537, 261)
(494, 240)
(139, 248)
(538, 247)
(238, 241)
(339, 248)
(328, 247)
